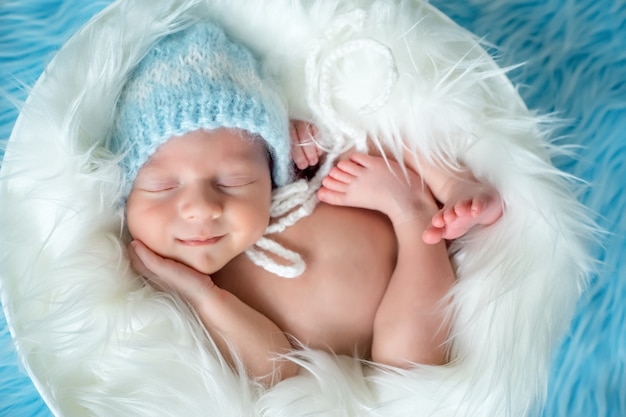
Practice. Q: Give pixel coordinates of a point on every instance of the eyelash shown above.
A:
(228, 184)
(159, 189)
(235, 184)
(155, 187)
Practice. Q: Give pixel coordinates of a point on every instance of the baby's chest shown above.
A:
(334, 302)
(323, 309)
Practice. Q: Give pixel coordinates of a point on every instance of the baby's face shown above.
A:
(202, 198)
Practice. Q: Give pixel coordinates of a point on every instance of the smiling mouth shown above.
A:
(200, 241)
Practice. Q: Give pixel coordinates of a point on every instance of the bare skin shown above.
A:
(388, 308)
(410, 324)
(377, 271)
(200, 200)
(231, 322)
(333, 304)
(466, 202)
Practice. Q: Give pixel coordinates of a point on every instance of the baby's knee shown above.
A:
(393, 352)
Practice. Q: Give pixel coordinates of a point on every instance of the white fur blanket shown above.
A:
(97, 341)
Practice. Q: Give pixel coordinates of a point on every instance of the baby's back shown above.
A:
(350, 255)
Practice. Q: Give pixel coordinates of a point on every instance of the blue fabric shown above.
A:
(575, 54)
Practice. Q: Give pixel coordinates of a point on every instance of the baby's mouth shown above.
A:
(200, 241)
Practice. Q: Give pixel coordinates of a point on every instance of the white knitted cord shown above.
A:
(290, 203)
(297, 200)
(292, 269)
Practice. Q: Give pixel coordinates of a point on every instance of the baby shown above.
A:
(205, 139)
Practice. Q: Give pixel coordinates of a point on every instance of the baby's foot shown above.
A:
(471, 204)
(368, 182)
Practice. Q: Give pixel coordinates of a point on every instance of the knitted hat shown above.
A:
(194, 79)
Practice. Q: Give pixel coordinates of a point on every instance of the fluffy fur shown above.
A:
(96, 341)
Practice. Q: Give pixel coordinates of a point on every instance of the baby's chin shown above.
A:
(210, 262)
(206, 269)
(207, 266)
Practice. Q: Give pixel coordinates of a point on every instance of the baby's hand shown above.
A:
(304, 151)
(169, 275)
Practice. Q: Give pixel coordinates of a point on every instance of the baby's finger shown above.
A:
(305, 151)
(170, 275)
(154, 267)
(136, 254)
(306, 142)
(299, 157)
(310, 154)
(297, 151)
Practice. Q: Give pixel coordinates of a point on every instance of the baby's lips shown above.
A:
(200, 241)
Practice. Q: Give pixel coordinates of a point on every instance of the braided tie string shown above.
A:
(297, 200)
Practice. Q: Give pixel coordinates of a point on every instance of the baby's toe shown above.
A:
(432, 235)
(438, 220)
(331, 196)
(464, 208)
(333, 184)
(449, 216)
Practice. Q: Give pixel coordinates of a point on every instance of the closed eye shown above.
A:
(161, 189)
(235, 182)
(157, 187)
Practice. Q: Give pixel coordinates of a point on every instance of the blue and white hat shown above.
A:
(195, 79)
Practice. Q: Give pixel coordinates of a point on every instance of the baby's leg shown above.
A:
(410, 324)
(466, 201)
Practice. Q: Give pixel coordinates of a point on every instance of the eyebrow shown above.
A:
(239, 167)
(249, 155)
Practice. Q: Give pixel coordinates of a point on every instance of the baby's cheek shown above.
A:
(257, 222)
(144, 224)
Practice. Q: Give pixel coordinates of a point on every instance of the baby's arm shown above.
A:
(230, 322)
(410, 324)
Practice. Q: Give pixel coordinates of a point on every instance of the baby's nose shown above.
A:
(201, 204)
